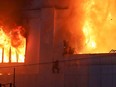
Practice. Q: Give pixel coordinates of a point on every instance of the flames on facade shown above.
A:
(99, 26)
(89, 26)
(12, 45)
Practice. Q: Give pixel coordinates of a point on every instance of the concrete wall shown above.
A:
(75, 71)
(91, 71)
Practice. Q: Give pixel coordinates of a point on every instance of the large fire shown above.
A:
(99, 26)
(89, 26)
(12, 45)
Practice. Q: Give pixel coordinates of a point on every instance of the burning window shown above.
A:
(12, 45)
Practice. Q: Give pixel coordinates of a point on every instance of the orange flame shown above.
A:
(12, 45)
(99, 26)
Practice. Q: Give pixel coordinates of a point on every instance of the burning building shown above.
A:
(58, 43)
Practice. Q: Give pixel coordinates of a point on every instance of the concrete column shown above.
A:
(33, 39)
(46, 47)
(47, 34)
(48, 25)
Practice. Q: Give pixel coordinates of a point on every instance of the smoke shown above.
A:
(69, 25)
(11, 11)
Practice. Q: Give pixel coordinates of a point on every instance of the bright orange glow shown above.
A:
(1, 74)
(13, 55)
(6, 55)
(12, 45)
(0, 55)
(99, 26)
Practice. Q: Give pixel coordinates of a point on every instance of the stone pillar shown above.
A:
(47, 34)
(33, 37)
(46, 47)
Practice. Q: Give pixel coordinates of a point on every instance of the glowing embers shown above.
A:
(12, 45)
